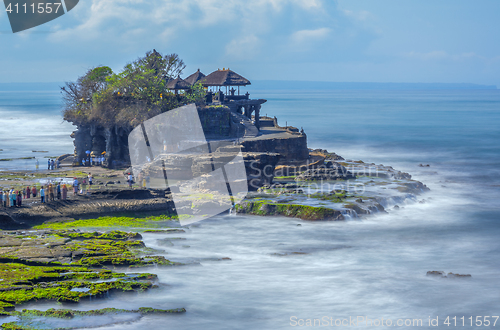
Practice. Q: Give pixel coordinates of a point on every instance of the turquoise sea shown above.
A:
(373, 267)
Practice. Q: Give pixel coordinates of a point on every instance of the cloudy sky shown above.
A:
(449, 41)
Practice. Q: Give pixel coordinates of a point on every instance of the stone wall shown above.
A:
(216, 121)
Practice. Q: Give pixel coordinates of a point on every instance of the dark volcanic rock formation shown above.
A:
(98, 203)
(216, 122)
(6, 222)
(259, 166)
(290, 148)
(97, 139)
(331, 171)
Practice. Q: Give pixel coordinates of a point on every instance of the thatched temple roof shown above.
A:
(178, 83)
(195, 77)
(224, 78)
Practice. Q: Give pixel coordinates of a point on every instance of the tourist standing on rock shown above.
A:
(51, 192)
(48, 164)
(64, 191)
(58, 191)
(42, 195)
(130, 180)
(19, 199)
(84, 186)
(75, 186)
(58, 163)
(33, 191)
(5, 198)
(90, 180)
(28, 192)
(12, 198)
(52, 164)
(37, 164)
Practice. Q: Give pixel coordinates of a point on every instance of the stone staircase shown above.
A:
(250, 129)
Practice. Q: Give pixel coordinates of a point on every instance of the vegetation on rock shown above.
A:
(304, 212)
(127, 98)
(111, 222)
(32, 319)
(26, 277)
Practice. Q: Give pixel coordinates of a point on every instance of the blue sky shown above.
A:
(449, 41)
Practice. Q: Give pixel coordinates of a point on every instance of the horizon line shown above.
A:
(350, 84)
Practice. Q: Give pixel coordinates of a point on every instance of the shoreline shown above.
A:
(328, 188)
(38, 237)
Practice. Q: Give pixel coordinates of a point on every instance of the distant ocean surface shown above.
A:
(31, 120)
(375, 267)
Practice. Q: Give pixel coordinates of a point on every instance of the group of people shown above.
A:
(14, 198)
(59, 191)
(52, 165)
(93, 161)
(143, 181)
(11, 198)
(89, 180)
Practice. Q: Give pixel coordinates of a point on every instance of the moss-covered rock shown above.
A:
(24, 278)
(111, 222)
(33, 319)
(304, 212)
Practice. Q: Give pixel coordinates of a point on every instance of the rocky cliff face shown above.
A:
(259, 168)
(97, 139)
(216, 123)
(290, 148)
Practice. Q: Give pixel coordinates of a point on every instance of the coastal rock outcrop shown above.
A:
(293, 147)
(98, 203)
(304, 212)
(441, 274)
(259, 166)
(331, 171)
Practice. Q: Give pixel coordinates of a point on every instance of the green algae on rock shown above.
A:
(23, 283)
(71, 319)
(28, 276)
(111, 222)
(304, 212)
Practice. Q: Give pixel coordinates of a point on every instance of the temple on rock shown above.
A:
(223, 88)
(229, 114)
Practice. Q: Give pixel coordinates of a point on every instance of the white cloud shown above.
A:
(310, 35)
(202, 32)
(235, 27)
(243, 48)
(362, 15)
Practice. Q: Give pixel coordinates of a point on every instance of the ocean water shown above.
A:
(372, 268)
(31, 120)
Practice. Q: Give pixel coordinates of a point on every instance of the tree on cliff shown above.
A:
(78, 95)
(127, 98)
